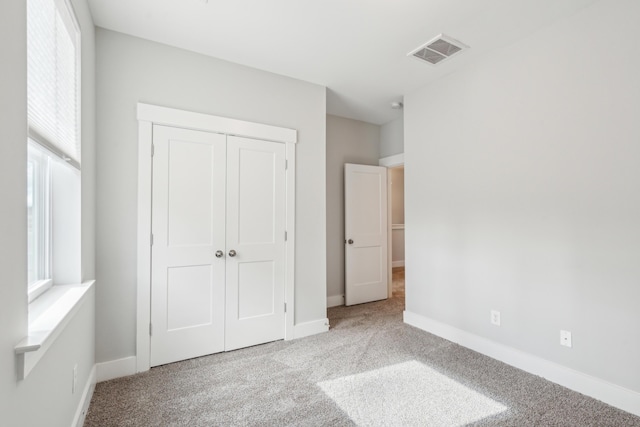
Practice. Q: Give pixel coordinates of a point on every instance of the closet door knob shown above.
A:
(219, 254)
(232, 253)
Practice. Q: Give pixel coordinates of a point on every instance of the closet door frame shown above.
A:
(149, 115)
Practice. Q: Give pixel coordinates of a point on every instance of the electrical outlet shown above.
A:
(74, 384)
(565, 338)
(495, 317)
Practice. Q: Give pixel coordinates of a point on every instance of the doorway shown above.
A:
(395, 167)
(397, 233)
(366, 256)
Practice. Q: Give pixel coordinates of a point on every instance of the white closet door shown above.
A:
(365, 204)
(255, 234)
(188, 217)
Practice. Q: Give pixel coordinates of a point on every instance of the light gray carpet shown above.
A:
(369, 369)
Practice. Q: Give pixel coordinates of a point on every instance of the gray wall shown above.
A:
(392, 138)
(523, 194)
(132, 70)
(348, 141)
(13, 215)
(49, 383)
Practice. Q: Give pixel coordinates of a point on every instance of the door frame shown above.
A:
(149, 115)
(390, 162)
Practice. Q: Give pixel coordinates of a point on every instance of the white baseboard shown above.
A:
(612, 394)
(397, 263)
(87, 394)
(335, 301)
(115, 369)
(305, 329)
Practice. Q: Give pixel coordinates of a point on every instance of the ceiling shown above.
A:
(356, 48)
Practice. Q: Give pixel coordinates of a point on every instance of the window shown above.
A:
(38, 213)
(53, 152)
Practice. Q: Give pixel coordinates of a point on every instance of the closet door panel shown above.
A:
(255, 234)
(188, 226)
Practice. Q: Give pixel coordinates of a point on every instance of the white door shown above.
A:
(255, 242)
(365, 233)
(188, 226)
(218, 254)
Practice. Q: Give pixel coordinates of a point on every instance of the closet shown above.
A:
(218, 243)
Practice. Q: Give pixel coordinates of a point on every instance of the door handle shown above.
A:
(219, 254)
(232, 253)
(350, 241)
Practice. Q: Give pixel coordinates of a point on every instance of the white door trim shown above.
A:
(147, 116)
(208, 123)
(390, 162)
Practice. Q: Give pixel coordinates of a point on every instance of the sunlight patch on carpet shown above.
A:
(408, 394)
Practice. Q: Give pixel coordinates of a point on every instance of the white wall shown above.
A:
(88, 190)
(348, 141)
(66, 220)
(524, 194)
(392, 138)
(49, 384)
(132, 70)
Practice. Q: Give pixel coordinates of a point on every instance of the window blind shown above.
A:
(53, 78)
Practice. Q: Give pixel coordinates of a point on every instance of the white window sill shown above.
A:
(48, 316)
(38, 288)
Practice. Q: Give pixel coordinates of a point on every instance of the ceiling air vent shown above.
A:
(438, 49)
